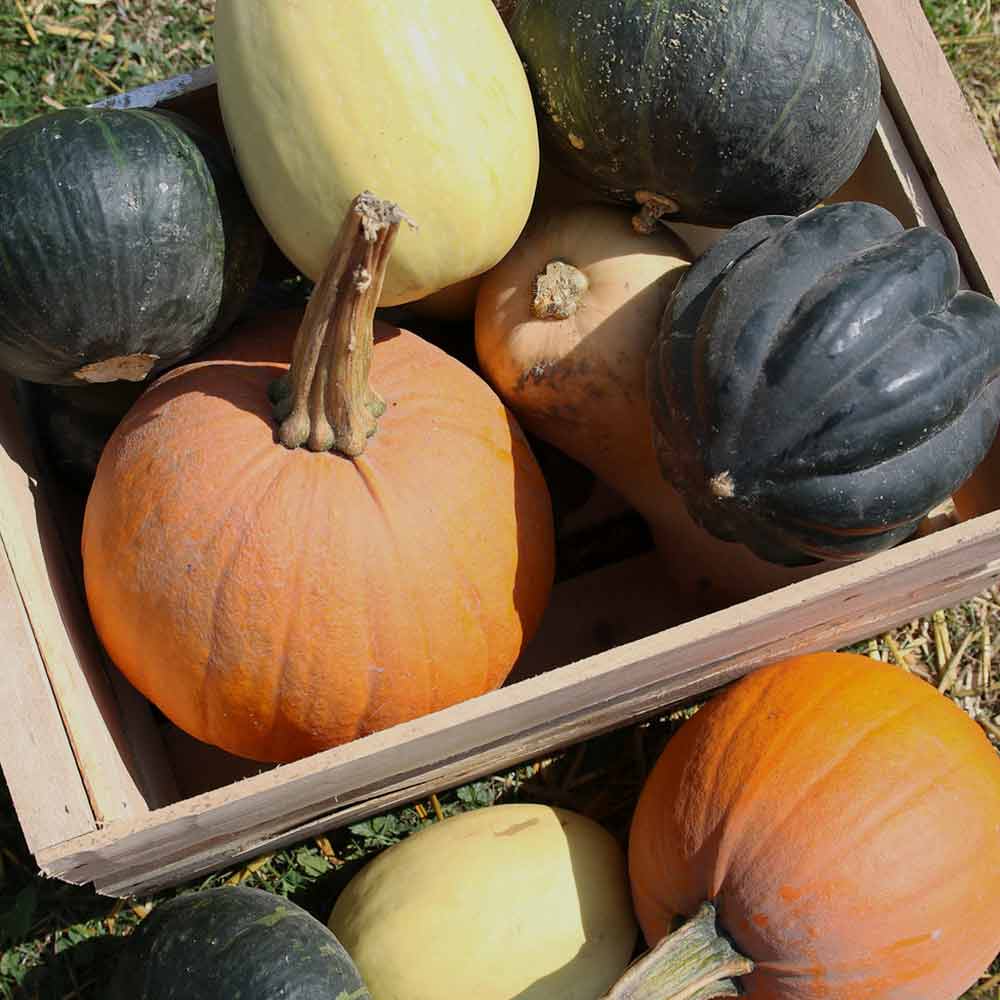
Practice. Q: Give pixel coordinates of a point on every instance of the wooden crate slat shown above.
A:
(38, 762)
(61, 625)
(941, 133)
(552, 709)
(162, 92)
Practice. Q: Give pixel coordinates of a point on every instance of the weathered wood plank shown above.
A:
(38, 762)
(888, 176)
(61, 624)
(941, 133)
(543, 712)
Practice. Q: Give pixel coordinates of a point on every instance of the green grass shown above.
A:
(133, 42)
(58, 941)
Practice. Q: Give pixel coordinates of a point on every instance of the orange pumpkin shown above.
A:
(844, 819)
(274, 600)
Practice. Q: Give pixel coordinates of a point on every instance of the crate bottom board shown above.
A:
(538, 715)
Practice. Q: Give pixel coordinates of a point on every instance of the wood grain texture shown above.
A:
(61, 626)
(551, 710)
(941, 132)
(149, 759)
(38, 762)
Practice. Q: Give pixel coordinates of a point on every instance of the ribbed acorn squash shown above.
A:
(707, 112)
(820, 383)
(424, 101)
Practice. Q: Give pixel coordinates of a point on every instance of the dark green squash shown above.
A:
(74, 422)
(820, 383)
(708, 112)
(127, 244)
(234, 943)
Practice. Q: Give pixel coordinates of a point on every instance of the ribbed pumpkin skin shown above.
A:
(844, 817)
(423, 101)
(829, 376)
(234, 942)
(124, 233)
(275, 602)
(730, 109)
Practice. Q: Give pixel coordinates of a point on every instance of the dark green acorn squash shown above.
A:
(74, 422)
(709, 112)
(234, 943)
(820, 383)
(127, 243)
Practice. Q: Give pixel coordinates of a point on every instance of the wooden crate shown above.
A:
(108, 795)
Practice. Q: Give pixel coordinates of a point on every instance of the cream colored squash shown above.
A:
(423, 102)
(563, 328)
(511, 901)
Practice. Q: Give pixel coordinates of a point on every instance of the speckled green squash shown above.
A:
(234, 943)
(721, 111)
(127, 243)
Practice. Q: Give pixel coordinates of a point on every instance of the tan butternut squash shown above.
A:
(563, 327)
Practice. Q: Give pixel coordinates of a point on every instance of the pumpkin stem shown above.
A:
(693, 963)
(325, 401)
(557, 291)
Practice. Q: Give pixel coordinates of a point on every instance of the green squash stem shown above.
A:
(325, 401)
(695, 962)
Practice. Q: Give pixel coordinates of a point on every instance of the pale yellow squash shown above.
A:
(423, 102)
(511, 901)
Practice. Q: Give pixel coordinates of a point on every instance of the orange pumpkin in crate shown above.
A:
(843, 818)
(276, 600)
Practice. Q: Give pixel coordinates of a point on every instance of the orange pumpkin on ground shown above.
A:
(843, 818)
(274, 600)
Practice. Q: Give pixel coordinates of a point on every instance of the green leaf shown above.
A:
(11, 966)
(311, 862)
